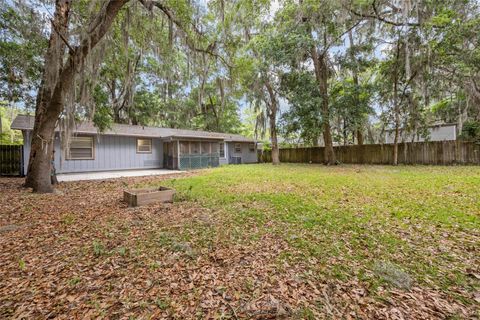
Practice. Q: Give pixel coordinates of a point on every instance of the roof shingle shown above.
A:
(25, 122)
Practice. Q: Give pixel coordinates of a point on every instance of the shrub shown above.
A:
(471, 131)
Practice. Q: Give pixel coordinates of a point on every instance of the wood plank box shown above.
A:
(140, 197)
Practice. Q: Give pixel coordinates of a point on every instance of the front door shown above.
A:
(170, 155)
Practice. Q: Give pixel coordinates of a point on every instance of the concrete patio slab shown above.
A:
(101, 175)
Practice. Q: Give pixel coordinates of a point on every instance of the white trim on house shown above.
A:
(225, 150)
(178, 154)
(149, 145)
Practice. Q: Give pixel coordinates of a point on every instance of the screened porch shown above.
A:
(198, 154)
(191, 154)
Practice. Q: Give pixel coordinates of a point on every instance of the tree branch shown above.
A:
(70, 48)
(341, 36)
(149, 4)
(377, 16)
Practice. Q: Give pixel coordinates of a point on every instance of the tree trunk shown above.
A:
(321, 74)
(396, 108)
(272, 106)
(273, 139)
(41, 153)
(42, 144)
(359, 125)
(272, 116)
(51, 94)
(359, 137)
(395, 140)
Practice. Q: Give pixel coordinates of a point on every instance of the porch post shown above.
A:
(225, 146)
(178, 154)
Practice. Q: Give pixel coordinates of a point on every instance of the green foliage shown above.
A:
(471, 131)
(7, 135)
(22, 265)
(74, 281)
(22, 47)
(98, 248)
(304, 117)
(163, 304)
(352, 103)
(102, 118)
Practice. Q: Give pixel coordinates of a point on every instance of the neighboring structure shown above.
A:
(441, 132)
(138, 147)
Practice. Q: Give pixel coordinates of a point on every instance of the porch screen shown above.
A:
(196, 154)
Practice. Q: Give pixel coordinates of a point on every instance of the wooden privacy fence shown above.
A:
(11, 160)
(435, 152)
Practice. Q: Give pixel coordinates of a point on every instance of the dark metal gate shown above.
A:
(11, 160)
(170, 155)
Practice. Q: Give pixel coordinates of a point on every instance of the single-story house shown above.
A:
(439, 132)
(137, 147)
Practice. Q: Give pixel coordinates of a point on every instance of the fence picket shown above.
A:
(432, 152)
(11, 160)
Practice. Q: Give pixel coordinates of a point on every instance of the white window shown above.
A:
(251, 147)
(81, 148)
(144, 145)
(238, 148)
(222, 149)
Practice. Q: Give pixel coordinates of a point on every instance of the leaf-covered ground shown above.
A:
(248, 242)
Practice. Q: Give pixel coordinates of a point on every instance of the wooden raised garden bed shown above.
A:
(140, 197)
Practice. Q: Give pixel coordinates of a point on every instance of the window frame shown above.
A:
(239, 148)
(251, 147)
(68, 152)
(220, 146)
(145, 152)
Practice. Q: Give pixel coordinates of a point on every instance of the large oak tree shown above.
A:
(65, 60)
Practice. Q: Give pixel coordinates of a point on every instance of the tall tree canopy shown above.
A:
(310, 72)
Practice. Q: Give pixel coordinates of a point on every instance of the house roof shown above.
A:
(25, 122)
(437, 125)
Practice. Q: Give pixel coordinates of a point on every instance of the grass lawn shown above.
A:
(248, 241)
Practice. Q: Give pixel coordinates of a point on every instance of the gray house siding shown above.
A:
(111, 153)
(435, 133)
(246, 155)
(116, 148)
